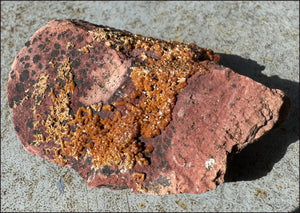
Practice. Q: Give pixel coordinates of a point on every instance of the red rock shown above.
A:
(218, 112)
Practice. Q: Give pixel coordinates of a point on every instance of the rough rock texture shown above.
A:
(217, 113)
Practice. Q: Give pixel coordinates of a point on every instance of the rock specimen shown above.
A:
(125, 110)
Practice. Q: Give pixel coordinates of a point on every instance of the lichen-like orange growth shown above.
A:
(114, 140)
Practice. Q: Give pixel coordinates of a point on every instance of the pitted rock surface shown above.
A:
(216, 113)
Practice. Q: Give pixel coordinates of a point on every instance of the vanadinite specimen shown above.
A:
(125, 110)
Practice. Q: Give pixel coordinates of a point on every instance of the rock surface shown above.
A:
(216, 113)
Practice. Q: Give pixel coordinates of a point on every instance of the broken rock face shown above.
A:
(127, 111)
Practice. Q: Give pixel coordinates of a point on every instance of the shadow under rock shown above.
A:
(257, 159)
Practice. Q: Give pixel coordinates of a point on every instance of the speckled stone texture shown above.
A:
(255, 39)
(218, 113)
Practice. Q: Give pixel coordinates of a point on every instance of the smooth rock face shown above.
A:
(217, 113)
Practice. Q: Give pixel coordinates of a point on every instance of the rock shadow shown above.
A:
(257, 159)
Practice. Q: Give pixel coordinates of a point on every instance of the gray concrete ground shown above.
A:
(257, 39)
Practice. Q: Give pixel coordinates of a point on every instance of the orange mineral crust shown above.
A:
(126, 110)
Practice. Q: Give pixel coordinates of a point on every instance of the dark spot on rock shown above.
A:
(51, 85)
(106, 74)
(17, 129)
(73, 53)
(89, 161)
(165, 146)
(24, 75)
(76, 63)
(61, 82)
(79, 38)
(12, 74)
(47, 39)
(41, 46)
(238, 99)
(39, 98)
(100, 84)
(27, 57)
(233, 85)
(22, 59)
(163, 163)
(164, 181)
(78, 81)
(88, 65)
(192, 126)
(85, 85)
(57, 46)
(83, 72)
(80, 104)
(62, 52)
(32, 73)
(27, 44)
(29, 123)
(36, 58)
(55, 70)
(58, 36)
(179, 155)
(44, 151)
(54, 53)
(34, 40)
(107, 171)
(46, 50)
(19, 88)
(159, 151)
(169, 134)
(64, 33)
(185, 145)
(167, 140)
(30, 50)
(40, 66)
(157, 139)
(15, 99)
(37, 131)
(46, 113)
(232, 105)
(26, 65)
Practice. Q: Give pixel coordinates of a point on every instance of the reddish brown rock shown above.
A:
(71, 64)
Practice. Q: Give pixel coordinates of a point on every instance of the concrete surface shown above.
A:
(257, 39)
